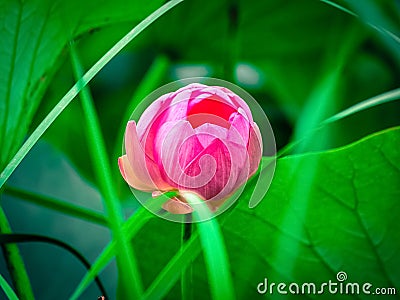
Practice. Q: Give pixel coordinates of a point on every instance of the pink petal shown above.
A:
(143, 168)
(229, 160)
(152, 112)
(240, 123)
(193, 87)
(207, 132)
(178, 147)
(211, 109)
(239, 145)
(238, 102)
(221, 94)
(173, 109)
(160, 108)
(189, 148)
(174, 205)
(255, 148)
(130, 176)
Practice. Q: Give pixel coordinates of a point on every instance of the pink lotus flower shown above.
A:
(200, 139)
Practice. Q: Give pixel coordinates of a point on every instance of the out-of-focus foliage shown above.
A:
(33, 35)
(278, 51)
(302, 60)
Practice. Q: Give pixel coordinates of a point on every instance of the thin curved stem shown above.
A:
(214, 250)
(77, 87)
(9, 239)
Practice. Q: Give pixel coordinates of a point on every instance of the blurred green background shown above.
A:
(303, 61)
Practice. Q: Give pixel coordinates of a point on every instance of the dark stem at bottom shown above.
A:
(186, 232)
(187, 274)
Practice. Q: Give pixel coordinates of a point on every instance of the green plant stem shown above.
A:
(14, 262)
(126, 262)
(7, 289)
(170, 273)
(215, 254)
(366, 104)
(187, 273)
(149, 83)
(181, 260)
(134, 223)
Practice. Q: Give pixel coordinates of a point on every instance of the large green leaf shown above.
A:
(33, 34)
(325, 212)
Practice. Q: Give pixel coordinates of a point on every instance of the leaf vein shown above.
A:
(364, 229)
(266, 222)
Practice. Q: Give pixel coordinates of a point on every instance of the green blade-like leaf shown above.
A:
(371, 102)
(170, 273)
(370, 13)
(57, 205)
(126, 260)
(15, 262)
(7, 289)
(38, 132)
(33, 35)
(386, 97)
